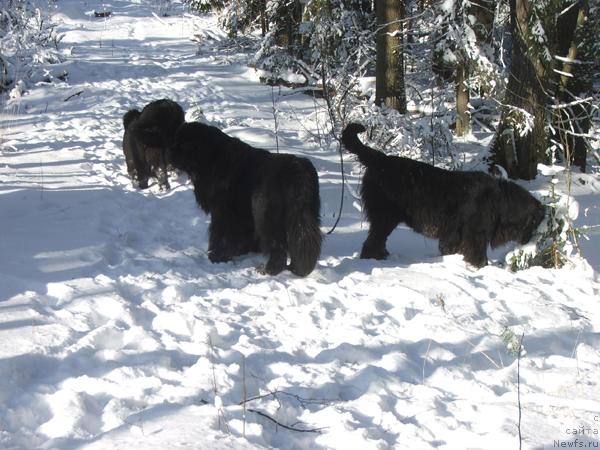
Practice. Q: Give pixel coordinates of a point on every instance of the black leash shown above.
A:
(342, 193)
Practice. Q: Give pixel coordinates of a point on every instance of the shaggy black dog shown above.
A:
(147, 136)
(258, 201)
(466, 211)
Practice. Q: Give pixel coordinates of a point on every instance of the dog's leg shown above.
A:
(380, 229)
(227, 237)
(273, 235)
(277, 261)
(474, 249)
(450, 239)
(221, 232)
(135, 161)
(141, 167)
(382, 214)
(133, 174)
(161, 172)
(270, 228)
(157, 167)
(131, 171)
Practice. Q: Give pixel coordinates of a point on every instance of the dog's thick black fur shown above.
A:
(258, 201)
(147, 136)
(466, 211)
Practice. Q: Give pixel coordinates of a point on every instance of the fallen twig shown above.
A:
(73, 95)
(301, 400)
(287, 427)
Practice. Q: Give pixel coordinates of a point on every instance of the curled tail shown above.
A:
(303, 222)
(130, 116)
(366, 155)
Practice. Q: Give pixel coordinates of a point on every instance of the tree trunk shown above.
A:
(389, 68)
(264, 23)
(289, 17)
(576, 43)
(463, 115)
(540, 85)
(520, 151)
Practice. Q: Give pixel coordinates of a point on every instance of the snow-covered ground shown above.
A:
(116, 332)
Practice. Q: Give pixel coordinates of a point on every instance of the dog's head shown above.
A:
(193, 148)
(155, 126)
(164, 115)
(130, 117)
(520, 214)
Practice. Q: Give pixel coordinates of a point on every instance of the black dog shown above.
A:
(258, 201)
(147, 136)
(466, 211)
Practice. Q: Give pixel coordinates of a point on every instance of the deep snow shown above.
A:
(116, 332)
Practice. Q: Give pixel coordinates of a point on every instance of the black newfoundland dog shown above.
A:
(258, 201)
(466, 211)
(147, 136)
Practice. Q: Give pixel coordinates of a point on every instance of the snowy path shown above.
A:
(117, 332)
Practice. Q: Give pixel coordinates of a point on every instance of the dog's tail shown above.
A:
(130, 116)
(303, 220)
(366, 155)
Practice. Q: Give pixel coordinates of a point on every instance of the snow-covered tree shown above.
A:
(329, 43)
(390, 88)
(546, 38)
(464, 50)
(28, 42)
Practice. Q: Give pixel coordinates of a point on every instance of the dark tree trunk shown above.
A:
(482, 11)
(289, 18)
(463, 116)
(519, 153)
(541, 86)
(576, 42)
(389, 69)
(264, 23)
(440, 67)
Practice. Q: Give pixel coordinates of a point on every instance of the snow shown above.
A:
(117, 332)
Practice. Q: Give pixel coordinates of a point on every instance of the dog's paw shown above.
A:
(374, 254)
(217, 257)
(274, 269)
(265, 269)
(276, 263)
